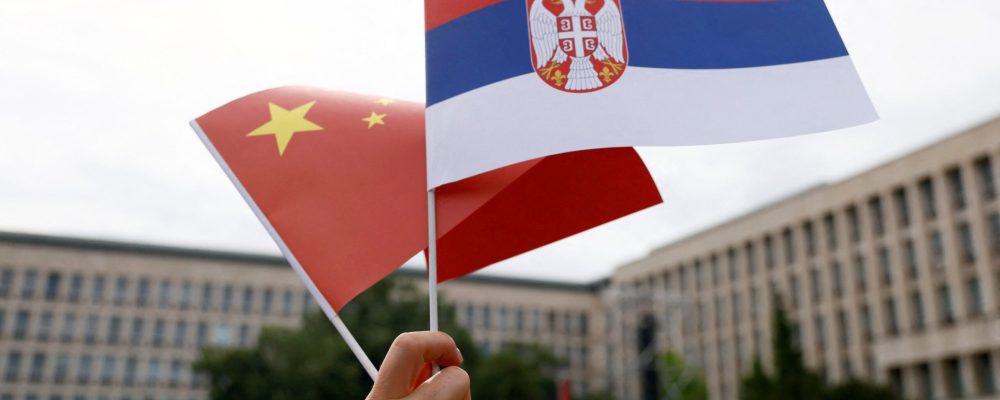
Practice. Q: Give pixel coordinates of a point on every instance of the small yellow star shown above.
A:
(374, 119)
(385, 102)
(284, 124)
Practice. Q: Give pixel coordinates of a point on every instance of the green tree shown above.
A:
(312, 362)
(523, 372)
(792, 379)
(681, 381)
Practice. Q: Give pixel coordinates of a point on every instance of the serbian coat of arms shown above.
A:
(577, 45)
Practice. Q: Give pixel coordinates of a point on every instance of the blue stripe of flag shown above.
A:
(491, 44)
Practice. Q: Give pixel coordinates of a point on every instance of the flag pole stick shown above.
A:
(352, 343)
(432, 260)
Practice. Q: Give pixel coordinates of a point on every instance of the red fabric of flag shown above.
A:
(339, 181)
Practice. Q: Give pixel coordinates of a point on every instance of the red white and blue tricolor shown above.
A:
(513, 80)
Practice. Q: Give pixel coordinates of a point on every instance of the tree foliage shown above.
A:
(680, 381)
(522, 372)
(313, 362)
(792, 379)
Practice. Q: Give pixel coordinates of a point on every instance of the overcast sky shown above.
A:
(95, 97)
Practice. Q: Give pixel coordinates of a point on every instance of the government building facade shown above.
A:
(891, 275)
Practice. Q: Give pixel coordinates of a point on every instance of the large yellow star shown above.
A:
(284, 124)
(374, 119)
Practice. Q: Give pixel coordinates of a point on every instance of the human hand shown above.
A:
(406, 371)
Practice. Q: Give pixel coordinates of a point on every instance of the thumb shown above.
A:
(451, 383)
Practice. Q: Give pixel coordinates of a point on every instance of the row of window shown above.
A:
(520, 320)
(908, 249)
(140, 292)
(980, 367)
(85, 369)
(115, 330)
(809, 229)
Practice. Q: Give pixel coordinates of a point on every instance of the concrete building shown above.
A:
(892, 274)
(88, 319)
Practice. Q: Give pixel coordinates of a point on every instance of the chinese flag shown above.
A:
(339, 181)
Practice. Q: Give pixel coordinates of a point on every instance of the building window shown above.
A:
(21, 320)
(682, 280)
(180, 333)
(28, 285)
(716, 273)
(910, 254)
(860, 272)
(968, 247)
(937, 250)
(227, 298)
(135, 337)
(944, 301)
(202, 337)
(885, 262)
(52, 282)
(896, 381)
(751, 258)
(917, 305)
(956, 188)
(926, 381)
(902, 207)
(265, 307)
(794, 284)
(131, 368)
(995, 232)
(734, 267)
(584, 323)
(90, 330)
(176, 367)
(68, 327)
(244, 335)
(107, 370)
(185, 295)
(984, 173)
(853, 223)
(97, 290)
(769, 252)
(61, 371)
(45, 326)
(163, 296)
(810, 237)
(927, 198)
(891, 319)
(37, 369)
(737, 316)
(206, 296)
(6, 281)
(114, 329)
(845, 332)
(488, 317)
(247, 300)
(820, 329)
(830, 226)
(789, 244)
(307, 300)
(13, 370)
(838, 278)
(75, 288)
(142, 295)
(697, 274)
(121, 289)
(222, 334)
(153, 371)
(985, 374)
(953, 378)
(976, 307)
(159, 326)
(875, 209)
(815, 285)
(85, 366)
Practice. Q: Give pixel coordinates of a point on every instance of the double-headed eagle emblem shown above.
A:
(589, 34)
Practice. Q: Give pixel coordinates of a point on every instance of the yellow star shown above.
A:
(374, 119)
(385, 102)
(284, 124)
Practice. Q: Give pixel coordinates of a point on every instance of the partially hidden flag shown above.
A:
(339, 182)
(513, 80)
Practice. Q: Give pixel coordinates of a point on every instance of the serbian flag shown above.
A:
(338, 180)
(513, 80)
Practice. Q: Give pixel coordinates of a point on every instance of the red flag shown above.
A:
(565, 393)
(339, 181)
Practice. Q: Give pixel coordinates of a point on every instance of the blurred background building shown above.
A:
(893, 274)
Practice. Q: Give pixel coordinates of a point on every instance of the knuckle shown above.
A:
(406, 341)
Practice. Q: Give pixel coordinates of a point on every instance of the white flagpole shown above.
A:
(432, 291)
(352, 343)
